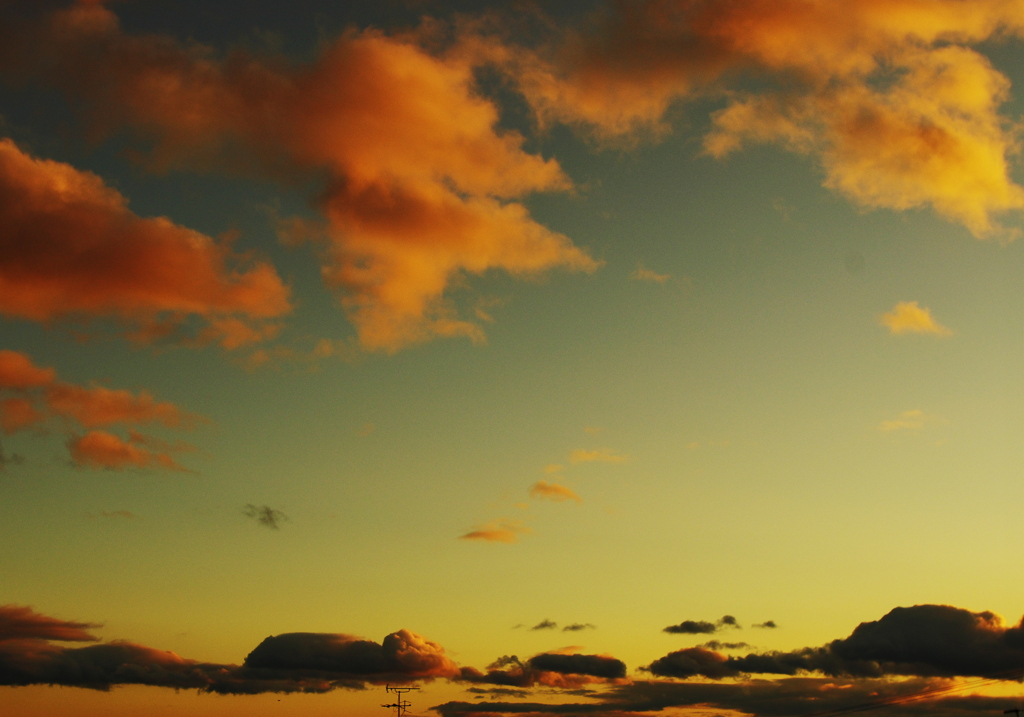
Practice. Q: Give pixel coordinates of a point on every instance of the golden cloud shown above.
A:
(909, 317)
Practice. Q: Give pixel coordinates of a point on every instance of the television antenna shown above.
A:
(401, 705)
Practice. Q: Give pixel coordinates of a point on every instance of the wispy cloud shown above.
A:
(642, 273)
(545, 625)
(600, 455)
(909, 317)
(265, 515)
(553, 491)
(501, 531)
(912, 420)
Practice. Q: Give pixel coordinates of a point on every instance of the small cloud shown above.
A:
(642, 273)
(579, 626)
(592, 430)
(9, 460)
(702, 627)
(913, 420)
(553, 491)
(767, 624)
(505, 531)
(908, 317)
(716, 645)
(366, 429)
(692, 627)
(552, 468)
(545, 625)
(265, 515)
(601, 455)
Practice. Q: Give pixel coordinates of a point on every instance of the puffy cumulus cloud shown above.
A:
(20, 622)
(403, 656)
(294, 662)
(503, 531)
(69, 246)
(553, 491)
(600, 455)
(909, 317)
(559, 669)
(890, 96)
(924, 641)
(40, 396)
(761, 698)
(421, 186)
(99, 449)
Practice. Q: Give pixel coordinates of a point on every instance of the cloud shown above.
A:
(578, 626)
(18, 371)
(767, 624)
(908, 317)
(760, 698)
(692, 627)
(908, 420)
(553, 468)
(888, 96)
(13, 459)
(553, 491)
(545, 625)
(420, 187)
(19, 622)
(642, 273)
(292, 662)
(716, 645)
(99, 449)
(265, 515)
(602, 455)
(702, 627)
(41, 396)
(503, 531)
(70, 247)
(923, 641)
(562, 670)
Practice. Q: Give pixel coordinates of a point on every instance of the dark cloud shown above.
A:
(769, 624)
(577, 626)
(545, 625)
(702, 627)
(593, 665)
(265, 515)
(692, 627)
(568, 672)
(923, 640)
(18, 622)
(293, 662)
(716, 645)
(760, 698)
(9, 460)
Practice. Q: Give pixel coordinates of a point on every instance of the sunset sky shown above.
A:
(653, 357)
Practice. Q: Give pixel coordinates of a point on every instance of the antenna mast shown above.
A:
(401, 705)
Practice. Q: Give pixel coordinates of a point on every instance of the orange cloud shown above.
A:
(70, 247)
(553, 491)
(421, 185)
(602, 455)
(887, 94)
(17, 414)
(504, 531)
(43, 396)
(909, 317)
(99, 449)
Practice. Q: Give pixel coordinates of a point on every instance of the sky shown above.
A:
(653, 357)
